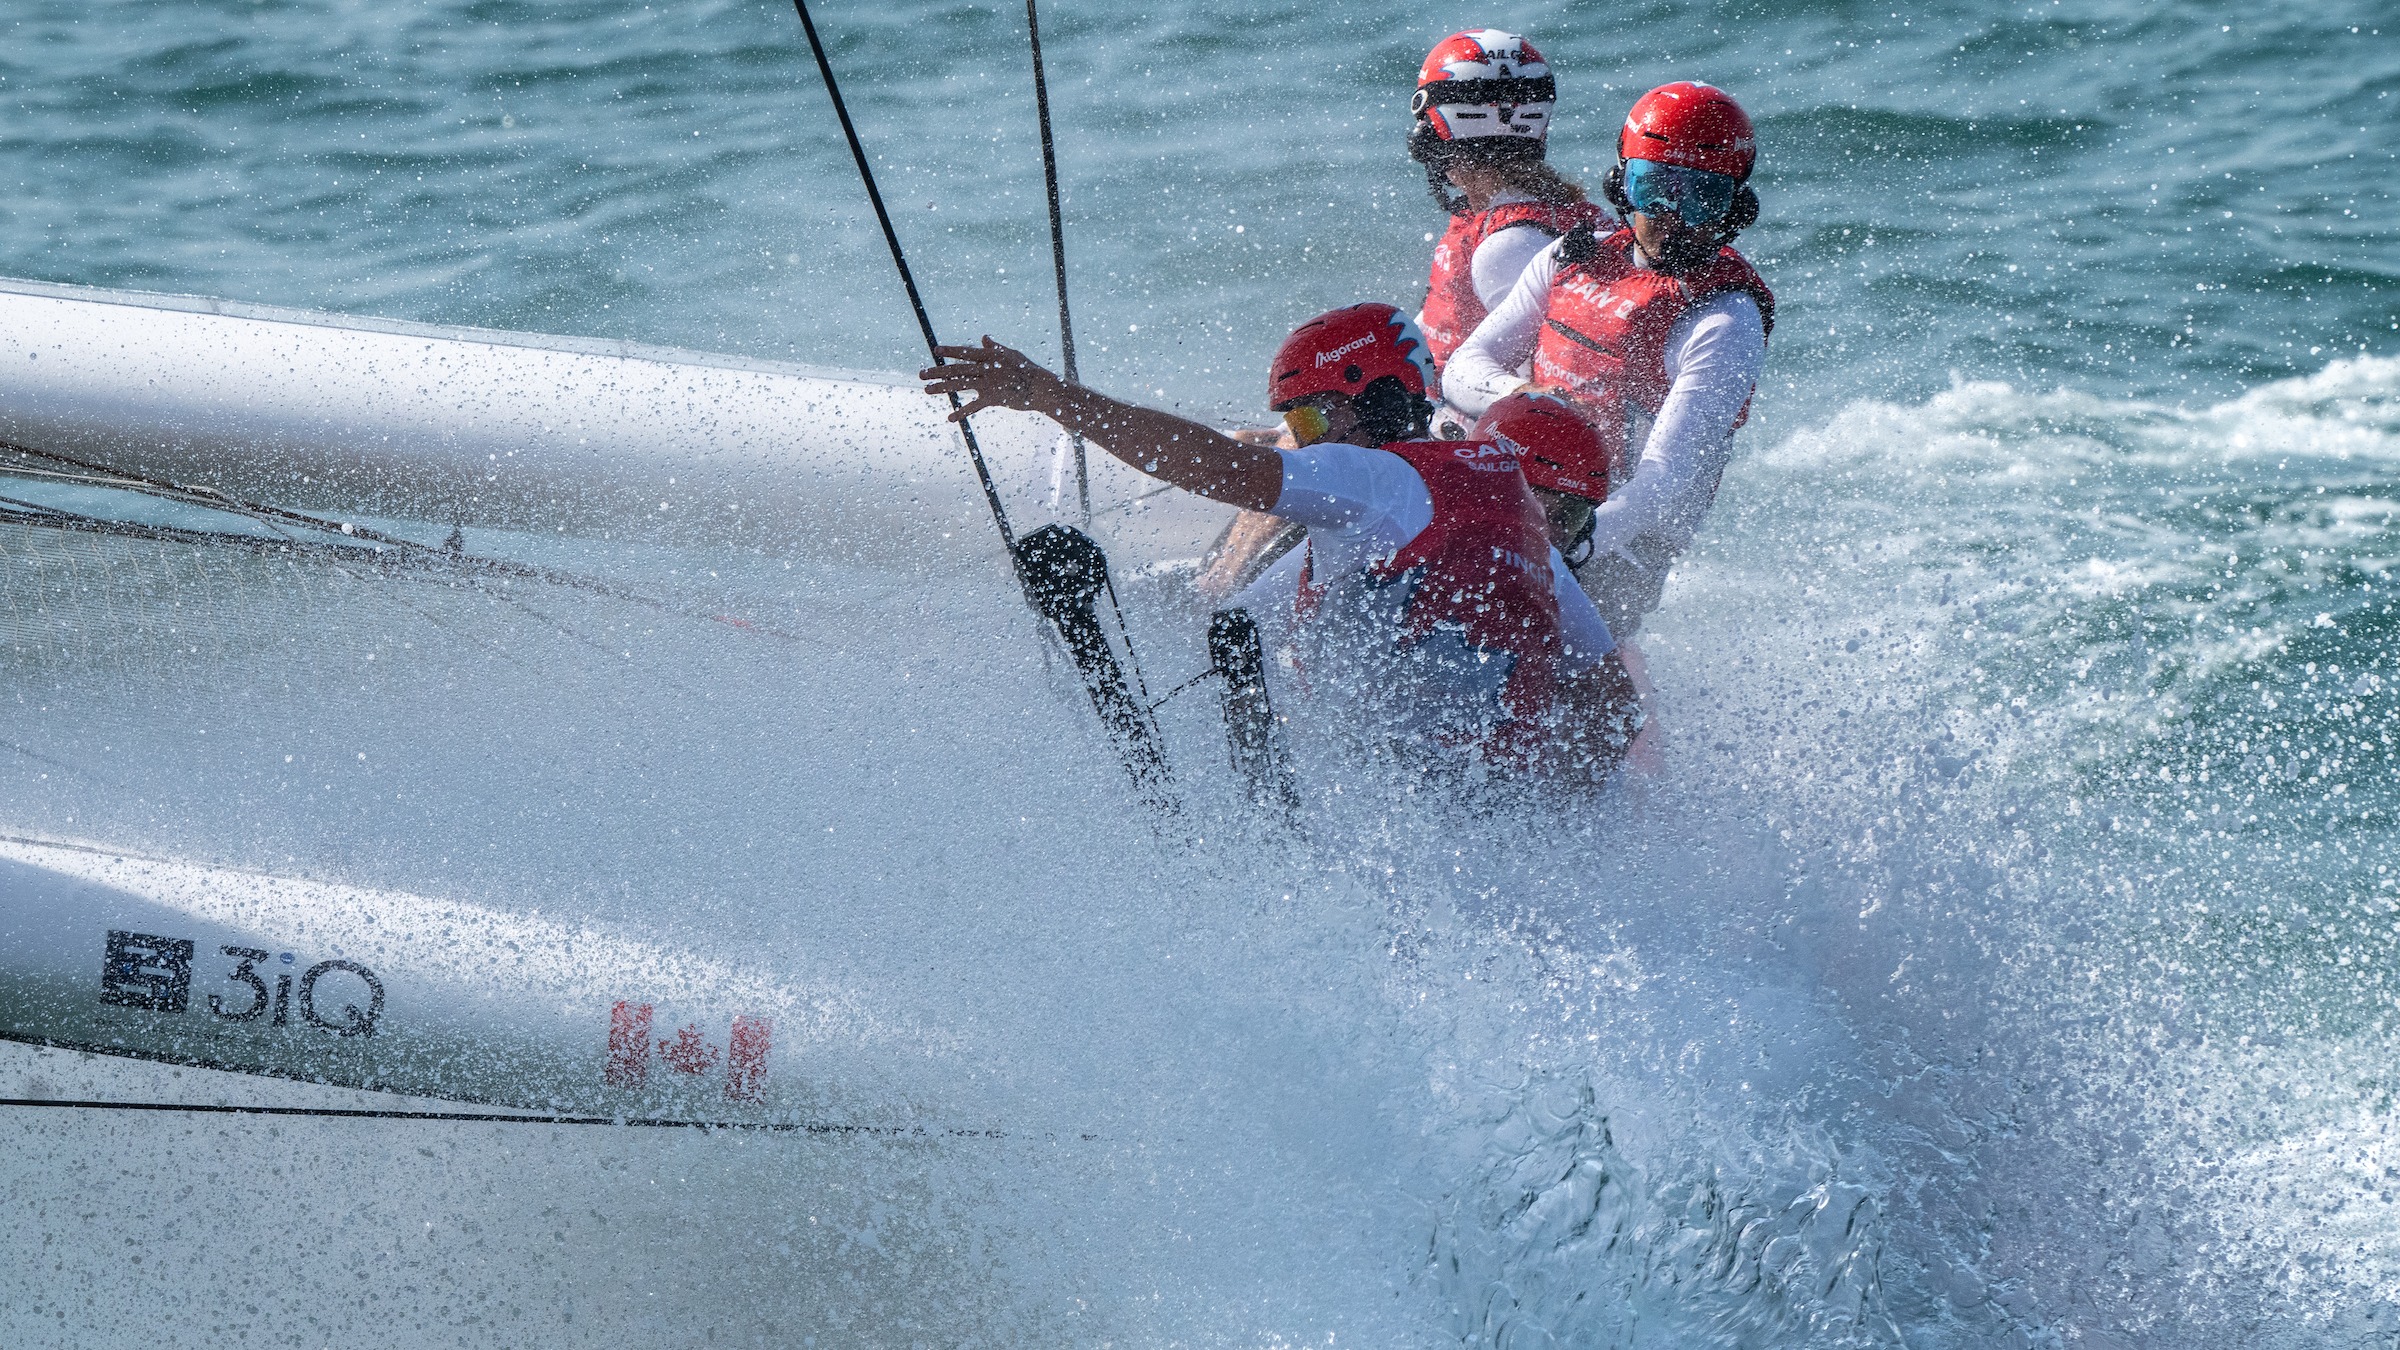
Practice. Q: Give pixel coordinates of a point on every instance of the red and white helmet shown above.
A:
(1553, 444)
(1697, 126)
(1483, 93)
(1343, 351)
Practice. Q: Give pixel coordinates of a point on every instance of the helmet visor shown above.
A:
(1698, 196)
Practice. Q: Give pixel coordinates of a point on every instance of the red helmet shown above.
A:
(1555, 447)
(1698, 126)
(1482, 93)
(1343, 351)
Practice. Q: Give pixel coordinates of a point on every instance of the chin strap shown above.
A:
(1700, 256)
(1582, 244)
(1579, 550)
(1450, 199)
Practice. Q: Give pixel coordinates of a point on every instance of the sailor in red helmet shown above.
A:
(1430, 594)
(1567, 464)
(1564, 460)
(1480, 124)
(1657, 331)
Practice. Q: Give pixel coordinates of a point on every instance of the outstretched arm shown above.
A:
(1488, 366)
(1175, 449)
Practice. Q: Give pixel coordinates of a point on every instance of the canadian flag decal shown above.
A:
(688, 1050)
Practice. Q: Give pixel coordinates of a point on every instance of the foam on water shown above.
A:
(1958, 984)
(2139, 656)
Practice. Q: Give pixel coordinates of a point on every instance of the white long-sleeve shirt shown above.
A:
(1714, 354)
(1501, 258)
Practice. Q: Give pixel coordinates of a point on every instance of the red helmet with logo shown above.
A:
(1483, 94)
(1697, 126)
(1343, 351)
(1555, 447)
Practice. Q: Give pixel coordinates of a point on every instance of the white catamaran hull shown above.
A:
(434, 427)
(387, 991)
(455, 425)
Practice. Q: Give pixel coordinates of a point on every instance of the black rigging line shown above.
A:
(14, 511)
(61, 765)
(1058, 252)
(908, 279)
(344, 558)
(529, 1116)
(1055, 563)
(201, 495)
(1066, 319)
(341, 557)
(346, 541)
(505, 1118)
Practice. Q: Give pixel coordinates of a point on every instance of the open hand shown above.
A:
(993, 376)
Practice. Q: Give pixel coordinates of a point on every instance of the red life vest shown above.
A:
(1604, 336)
(1480, 569)
(1452, 309)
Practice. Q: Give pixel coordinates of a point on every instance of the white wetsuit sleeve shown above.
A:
(1579, 622)
(1713, 357)
(1362, 498)
(1501, 258)
(1491, 363)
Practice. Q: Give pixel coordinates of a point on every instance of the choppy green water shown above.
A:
(2138, 201)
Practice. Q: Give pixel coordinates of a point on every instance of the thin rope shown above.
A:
(505, 1118)
(908, 279)
(355, 542)
(1058, 250)
(1168, 696)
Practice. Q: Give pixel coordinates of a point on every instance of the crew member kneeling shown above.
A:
(1430, 592)
(1657, 331)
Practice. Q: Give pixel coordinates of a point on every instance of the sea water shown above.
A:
(2007, 955)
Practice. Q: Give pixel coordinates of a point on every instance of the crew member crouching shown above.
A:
(1430, 597)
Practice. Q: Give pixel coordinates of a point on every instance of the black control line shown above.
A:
(1061, 570)
(504, 1118)
(1058, 251)
(908, 279)
(341, 541)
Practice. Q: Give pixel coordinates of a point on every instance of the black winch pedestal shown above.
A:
(1064, 572)
(1250, 732)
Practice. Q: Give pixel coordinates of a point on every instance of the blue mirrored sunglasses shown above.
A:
(1697, 195)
